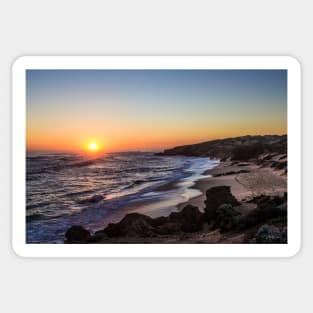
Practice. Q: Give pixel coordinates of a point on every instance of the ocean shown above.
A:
(65, 189)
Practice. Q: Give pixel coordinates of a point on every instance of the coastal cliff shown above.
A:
(237, 148)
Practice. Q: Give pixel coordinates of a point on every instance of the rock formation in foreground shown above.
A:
(265, 224)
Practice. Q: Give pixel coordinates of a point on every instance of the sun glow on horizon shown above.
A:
(93, 146)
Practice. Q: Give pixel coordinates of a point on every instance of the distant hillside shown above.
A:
(238, 148)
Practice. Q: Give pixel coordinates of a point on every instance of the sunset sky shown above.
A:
(124, 110)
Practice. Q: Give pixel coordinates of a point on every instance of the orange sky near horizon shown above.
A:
(150, 110)
(136, 139)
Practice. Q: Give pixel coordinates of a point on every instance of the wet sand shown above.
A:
(244, 186)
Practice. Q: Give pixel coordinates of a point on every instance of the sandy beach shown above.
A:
(248, 181)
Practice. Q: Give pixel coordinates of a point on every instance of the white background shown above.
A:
(164, 28)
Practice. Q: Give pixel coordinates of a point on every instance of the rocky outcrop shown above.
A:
(215, 197)
(265, 224)
(220, 210)
(190, 219)
(226, 218)
(77, 234)
(132, 225)
(269, 208)
(231, 173)
(237, 149)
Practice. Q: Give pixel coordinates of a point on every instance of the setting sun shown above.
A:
(93, 146)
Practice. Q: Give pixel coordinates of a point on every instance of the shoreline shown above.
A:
(245, 185)
(162, 207)
(246, 181)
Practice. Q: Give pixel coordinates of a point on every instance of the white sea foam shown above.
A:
(59, 184)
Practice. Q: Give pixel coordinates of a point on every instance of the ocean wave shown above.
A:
(74, 164)
(43, 217)
(35, 217)
(54, 194)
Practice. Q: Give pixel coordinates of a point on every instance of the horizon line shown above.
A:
(148, 149)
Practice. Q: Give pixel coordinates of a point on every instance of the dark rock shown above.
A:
(190, 218)
(284, 235)
(231, 173)
(224, 174)
(77, 234)
(242, 172)
(263, 201)
(191, 227)
(168, 228)
(270, 234)
(246, 221)
(97, 237)
(215, 197)
(279, 165)
(266, 158)
(160, 221)
(188, 213)
(226, 218)
(93, 199)
(225, 158)
(268, 207)
(234, 163)
(132, 225)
